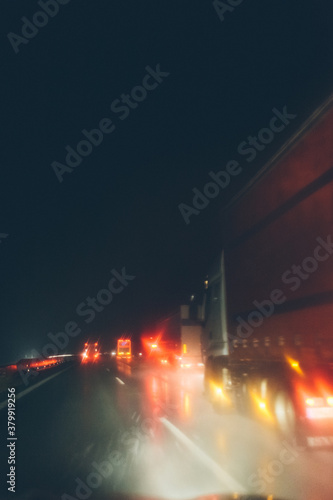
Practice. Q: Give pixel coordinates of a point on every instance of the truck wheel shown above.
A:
(242, 402)
(210, 381)
(285, 413)
(207, 381)
(286, 418)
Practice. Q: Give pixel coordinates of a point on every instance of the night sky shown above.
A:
(221, 75)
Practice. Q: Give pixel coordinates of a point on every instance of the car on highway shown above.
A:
(91, 352)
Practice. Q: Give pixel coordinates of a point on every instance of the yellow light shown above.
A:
(329, 400)
(220, 394)
(294, 365)
(261, 407)
(184, 348)
(309, 401)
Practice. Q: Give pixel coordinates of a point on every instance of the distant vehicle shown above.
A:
(179, 339)
(124, 349)
(267, 341)
(160, 351)
(91, 352)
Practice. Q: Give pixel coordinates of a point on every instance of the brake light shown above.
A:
(314, 402)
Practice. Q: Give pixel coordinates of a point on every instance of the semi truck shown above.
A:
(267, 341)
(178, 341)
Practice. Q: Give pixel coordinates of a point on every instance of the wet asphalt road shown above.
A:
(92, 431)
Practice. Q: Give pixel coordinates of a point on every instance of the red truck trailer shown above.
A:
(268, 313)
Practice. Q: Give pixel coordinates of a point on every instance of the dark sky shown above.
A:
(119, 207)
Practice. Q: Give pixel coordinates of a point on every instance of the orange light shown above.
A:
(261, 407)
(294, 365)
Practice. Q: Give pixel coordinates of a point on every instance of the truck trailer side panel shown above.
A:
(268, 320)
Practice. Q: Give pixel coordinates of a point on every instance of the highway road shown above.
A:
(93, 431)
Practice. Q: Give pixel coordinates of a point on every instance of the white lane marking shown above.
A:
(220, 473)
(120, 381)
(108, 369)
(33, 387)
